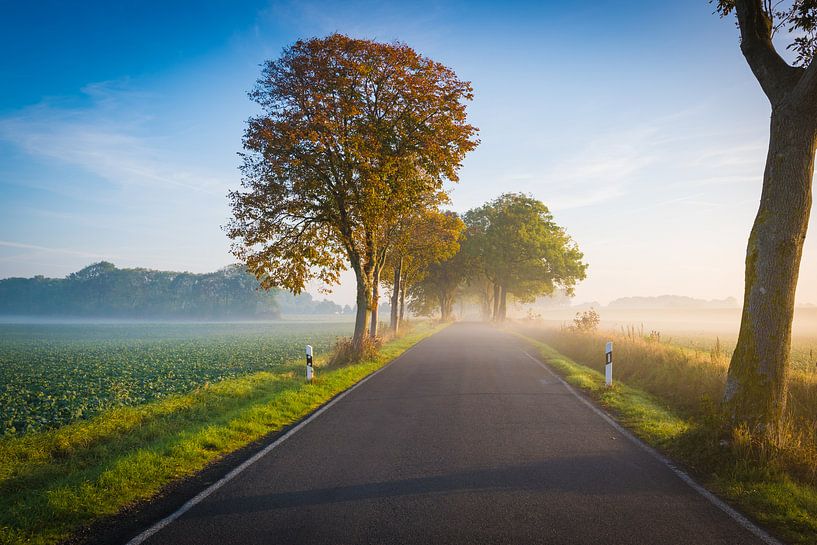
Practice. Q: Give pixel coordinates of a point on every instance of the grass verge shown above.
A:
(56, 482)
(762, 489)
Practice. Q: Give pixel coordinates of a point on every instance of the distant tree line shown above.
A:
(102, 290)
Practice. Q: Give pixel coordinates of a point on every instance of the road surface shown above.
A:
(464, 439)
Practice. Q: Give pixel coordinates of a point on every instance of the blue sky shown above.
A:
(640, 126)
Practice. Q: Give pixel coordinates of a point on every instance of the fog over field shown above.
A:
(716, 321)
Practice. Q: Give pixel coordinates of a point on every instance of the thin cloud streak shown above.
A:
(604, 169)
(105, 139)
(24, 246)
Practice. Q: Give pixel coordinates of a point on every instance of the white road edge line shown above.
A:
(713, 499)
(198, 498)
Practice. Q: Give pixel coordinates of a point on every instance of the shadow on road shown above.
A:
(574, 475)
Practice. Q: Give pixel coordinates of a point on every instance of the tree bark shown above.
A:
(486, 303)
(394, 318)
(446, 302)
(503, 300)
(402, 302)
(363, 275)
(362, 314)
(375, 303)
(756, 388)
(495, 315)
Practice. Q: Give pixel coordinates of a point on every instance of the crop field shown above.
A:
(53, 374)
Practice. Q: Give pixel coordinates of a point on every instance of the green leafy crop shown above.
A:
(54, 374)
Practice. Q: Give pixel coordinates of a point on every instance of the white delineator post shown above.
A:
(608, 364)
(310, 372)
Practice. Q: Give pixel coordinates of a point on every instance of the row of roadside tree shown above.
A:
(509, 247)
(347, 167)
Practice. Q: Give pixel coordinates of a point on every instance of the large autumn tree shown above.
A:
(756, 387)
(352, 135)
(521, 250)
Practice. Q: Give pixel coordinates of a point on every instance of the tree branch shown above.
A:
(775, 76)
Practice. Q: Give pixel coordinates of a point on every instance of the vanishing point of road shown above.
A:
(463, 439)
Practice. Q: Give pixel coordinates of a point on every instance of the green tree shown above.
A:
(440, 285)
(521, 250)
(353, 135)
(756, 388)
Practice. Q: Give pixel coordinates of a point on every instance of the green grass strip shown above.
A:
(56, 482)
(637, 410)
(772, 498)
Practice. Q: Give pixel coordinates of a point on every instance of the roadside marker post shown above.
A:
(310, 372)
(608, 364)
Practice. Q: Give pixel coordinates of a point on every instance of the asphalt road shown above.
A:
(464, 439)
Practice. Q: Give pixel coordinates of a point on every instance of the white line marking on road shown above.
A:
(716, 501)
(198, 498)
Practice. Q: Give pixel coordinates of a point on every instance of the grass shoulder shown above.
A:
(775, 497)
(53, 483)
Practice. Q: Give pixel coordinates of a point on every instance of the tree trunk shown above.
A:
(375, 303)
(756, 386)
(394, 318)
(495, 315)
(402, 301)
(503, 300)
(363, 306)
(446, 302)
(486, 303)
(362, 314)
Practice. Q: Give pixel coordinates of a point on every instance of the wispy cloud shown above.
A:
(743, 155)
(601, 170)
(649, 161)
(67, 251)
(107, 137)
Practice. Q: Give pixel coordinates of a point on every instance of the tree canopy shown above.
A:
(510, 246)
(439, 286)
(521, 250)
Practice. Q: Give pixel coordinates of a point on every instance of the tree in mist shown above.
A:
(353, 135)
(424, 238)
(756, 387)
(521, 251)
(440, 285)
